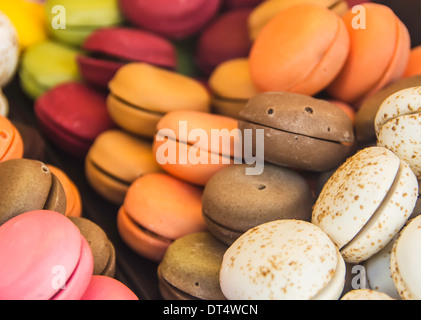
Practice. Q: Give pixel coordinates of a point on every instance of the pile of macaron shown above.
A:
(331, 87)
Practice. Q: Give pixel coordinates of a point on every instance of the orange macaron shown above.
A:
(11, 143)
(157, 210)
(414, 65)
(186, 145)
(301, 50)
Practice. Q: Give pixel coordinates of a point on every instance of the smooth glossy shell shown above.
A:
(107, 288)
(283, 260)
(158, 209)
(366, 202)
(9, 50)
(33, 245)
(405, 261)
(115, 160)
(301, 50)
(398, 126)
(267, 10)
(378, 54)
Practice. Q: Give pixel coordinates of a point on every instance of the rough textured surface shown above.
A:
(284, 259)
(237, 201)
(9, 50)
(191, 264)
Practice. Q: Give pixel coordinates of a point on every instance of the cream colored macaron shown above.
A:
(366, 202)
(405, 261)
(398, 126)
(366, 294)
(283, 260)
(4, 105)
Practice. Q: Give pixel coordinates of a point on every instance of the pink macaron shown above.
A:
(108, 49)
(173, 19)
(107, 288)
(44, 257)
(72, 115)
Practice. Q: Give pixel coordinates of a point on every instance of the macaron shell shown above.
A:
(77, 284)
(405, 261)
(10, 50)
(383, 48)
(4, 105)
(107, 288)
(165, 205)
(73, 197)
(34, 146)
(280, 59)
(182, 92)
(272, 274)
(354, 193)
(31, 277)
(388, 219)
(97, 72)
(365, 295)
(143, 243)
(11, 144)
(414, 64)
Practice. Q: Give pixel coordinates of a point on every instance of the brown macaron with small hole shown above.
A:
(234, 202)
(300, 131)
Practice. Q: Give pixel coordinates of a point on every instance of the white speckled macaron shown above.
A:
(283, 260)
(366, 294)
(398, 126)
(405, 261)
(9, 50)
(366, 202)
(4, 105)
(378, 273)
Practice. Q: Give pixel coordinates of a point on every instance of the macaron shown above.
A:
(11, 143)
(234, 202)
(115, 161)
(157, 210)
(378, 273)
(102, 248)
(107, 49)
(74, 206)
(178, 20)
(193, 146)
(102, 288)
(398, 124)
(136, 102)
(267, 10)
(28, 185)
(414, 64)
(215, 45)
(34, 146)
(72, 115)
(45, 65)
(10, 50)
(4, 105)
(283, 260)
(47, 258)
(378, 54)
(405, 261)
(28, 17)
(365, 295)
(231, 87)
(190, 268)
(71, 21)
(366, 202)
(301, 50)
(366, 114)
(299, 131)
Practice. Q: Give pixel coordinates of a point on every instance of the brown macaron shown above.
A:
(299, 131)
(28, 185)
(103, 250)
(190, 268)
(234, 202)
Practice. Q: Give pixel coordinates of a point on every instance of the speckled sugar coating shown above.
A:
(9, 50)
(398, 126)
(366, 202)
(405, 261)
(283, 260)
